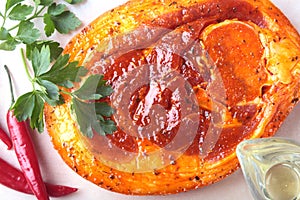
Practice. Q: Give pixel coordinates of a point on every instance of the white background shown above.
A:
(54, 169)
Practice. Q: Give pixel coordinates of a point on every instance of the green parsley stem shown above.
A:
(34, 16)
(67, 93)
(14, 27)
(4, 18)
(1, 15)
(26, 67)
(38, 12)
(71, 94)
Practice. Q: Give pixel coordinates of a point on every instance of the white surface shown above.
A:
(55, 171)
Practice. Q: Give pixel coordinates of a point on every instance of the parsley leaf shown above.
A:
(52, 90)
(27, 33)
(55, 49)
(37, 117)
(88, 89)
(9, 45)
(103, 109)
(104, 91)
(49, 25)
(11, 3)
(4, 34)
(90, 115)
(64, 73)
(53, 10)
(24, 106)
(89, 120)
(85, 117)
(66, 22)
(40, 60)
(74, 1)
(44, 2)
(56, 9)
(30, 106)
(20, 12)
(108, 127)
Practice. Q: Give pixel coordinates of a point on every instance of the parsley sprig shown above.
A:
(52, 73)
(49, 83)
(91, 114)
(21, 15)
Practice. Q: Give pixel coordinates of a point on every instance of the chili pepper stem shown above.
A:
(3, 135)
(10, 86)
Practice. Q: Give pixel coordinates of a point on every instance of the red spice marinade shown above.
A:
(164, 47)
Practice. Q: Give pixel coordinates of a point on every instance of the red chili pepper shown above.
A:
(6, 139)
(24, 149)
(15, 179)
(59, 190)
(26, 155)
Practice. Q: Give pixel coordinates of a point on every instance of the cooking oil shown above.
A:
(271, 167)
(282, 182)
